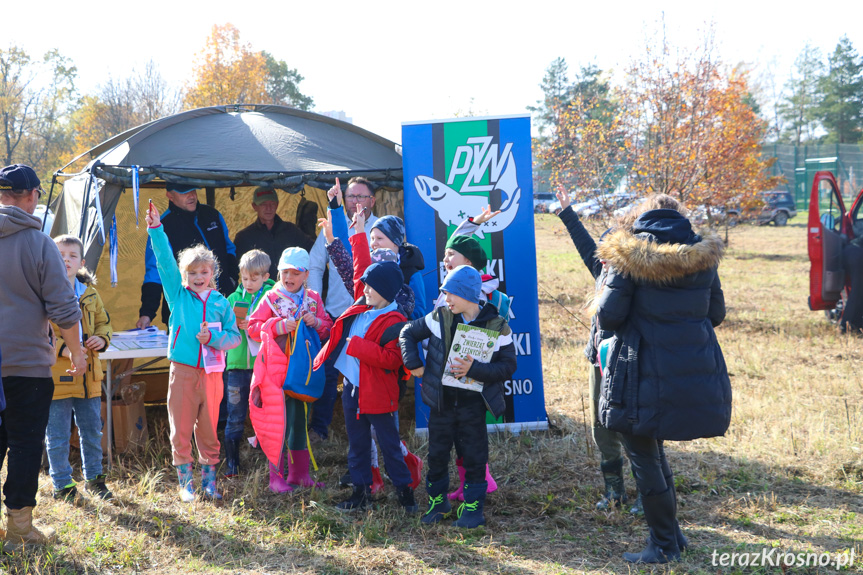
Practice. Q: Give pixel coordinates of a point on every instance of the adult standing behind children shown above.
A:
(187, 222)
(359, 194)
(35, 290)
(270, 233)
(664, 377)
(79, 395)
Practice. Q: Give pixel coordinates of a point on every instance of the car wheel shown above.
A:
(781, 219)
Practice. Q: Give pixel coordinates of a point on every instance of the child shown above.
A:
(279, 415)
(254, 283)
(81, 395)
(458, 415)
(462, 249)
(365, 343)
(193, 394)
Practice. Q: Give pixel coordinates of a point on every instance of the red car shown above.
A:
(830, 228)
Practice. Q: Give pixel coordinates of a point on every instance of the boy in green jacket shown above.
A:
(254, 283)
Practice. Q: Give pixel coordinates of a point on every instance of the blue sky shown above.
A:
(383, 63)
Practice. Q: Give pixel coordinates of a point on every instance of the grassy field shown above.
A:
(788, 475)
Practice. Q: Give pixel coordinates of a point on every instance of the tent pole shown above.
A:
(84, 205)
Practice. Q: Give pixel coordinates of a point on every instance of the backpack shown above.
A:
(302, 382)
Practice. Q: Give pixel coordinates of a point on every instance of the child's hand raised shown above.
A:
(204, 335)
(335, 192)
(563, 197)
(326, 224)
(485, 216)
(152, 216)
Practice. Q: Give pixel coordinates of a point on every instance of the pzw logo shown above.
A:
(474, 160)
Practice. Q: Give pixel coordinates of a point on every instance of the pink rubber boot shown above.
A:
(278, 483)
(298, 470)
(492, 484)
(415, 466)
(458, 494)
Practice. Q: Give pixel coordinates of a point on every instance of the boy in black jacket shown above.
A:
(458, 414)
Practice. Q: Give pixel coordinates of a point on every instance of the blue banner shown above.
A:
(452, 170)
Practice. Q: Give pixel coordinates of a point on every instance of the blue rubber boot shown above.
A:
(470, 512)
(187, 487)
(439, 505)
(208, 482)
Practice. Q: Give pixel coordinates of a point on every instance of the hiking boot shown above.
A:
(439, 505)
(470, 513)
(615, 493)
(20, 528)
(68, 494)
(359, 500)
(407, 500)
(97, 488)
(345, 480)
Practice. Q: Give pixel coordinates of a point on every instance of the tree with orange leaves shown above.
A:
(692, 131)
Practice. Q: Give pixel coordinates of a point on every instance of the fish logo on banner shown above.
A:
(474, 160)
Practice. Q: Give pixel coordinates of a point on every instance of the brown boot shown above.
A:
(20, 528)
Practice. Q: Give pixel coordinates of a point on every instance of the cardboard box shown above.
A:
(130, 427)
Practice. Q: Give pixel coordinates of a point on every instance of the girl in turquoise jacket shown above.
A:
(201, 327)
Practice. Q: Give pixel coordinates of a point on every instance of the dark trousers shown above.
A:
(852, 261)
(28, 404)
(360, 442)
(461, 423)
(322, 409)
(649, 465)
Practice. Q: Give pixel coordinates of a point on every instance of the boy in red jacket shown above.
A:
(365, 343)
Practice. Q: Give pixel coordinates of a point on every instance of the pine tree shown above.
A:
(799, 108)
(841, 108)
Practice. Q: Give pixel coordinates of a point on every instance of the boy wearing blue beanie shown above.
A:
(365, 343)
(457, 416)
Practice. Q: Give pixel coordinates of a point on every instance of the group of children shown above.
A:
(282, 332)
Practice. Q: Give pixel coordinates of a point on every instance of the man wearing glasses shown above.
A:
(336, 298)
(35, 290)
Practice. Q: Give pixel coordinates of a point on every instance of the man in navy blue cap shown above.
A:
(35, 290)
(188, 223)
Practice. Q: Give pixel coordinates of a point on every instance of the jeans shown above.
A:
(88, 418)
(322, 410)
(28, 402)
(360, 441)
(237, 384)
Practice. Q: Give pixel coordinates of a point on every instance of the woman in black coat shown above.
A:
(664, 377)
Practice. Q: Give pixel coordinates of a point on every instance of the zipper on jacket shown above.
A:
(176, 337)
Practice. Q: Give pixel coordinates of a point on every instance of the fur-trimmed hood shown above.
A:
(86, 277)
(645, 260)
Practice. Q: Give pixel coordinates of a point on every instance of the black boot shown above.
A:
(359, 500)
(662, 544)
(682, 541)
(232, 458)
(615, 494)
(439, 506)
(470, 512)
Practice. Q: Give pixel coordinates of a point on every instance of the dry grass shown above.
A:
(789, 474)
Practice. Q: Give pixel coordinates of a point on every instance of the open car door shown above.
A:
(827, 233)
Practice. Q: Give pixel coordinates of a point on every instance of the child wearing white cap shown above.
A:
(283, 307)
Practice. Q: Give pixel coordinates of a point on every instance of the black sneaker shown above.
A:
(346, 481)
(406, 499)
(359, 500)
(97, 488)
(67, 494)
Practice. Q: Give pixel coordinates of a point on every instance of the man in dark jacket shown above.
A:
(459, 393)
(665, 376)
(187, 223)
(269, 233)
(35, 290)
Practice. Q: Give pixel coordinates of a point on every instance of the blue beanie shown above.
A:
(465, 282)
(392, 227)
(386, 278)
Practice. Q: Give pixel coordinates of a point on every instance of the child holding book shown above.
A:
(254, 283)
(79, 396)
(278, 417)
(457, 414)
(202, 327)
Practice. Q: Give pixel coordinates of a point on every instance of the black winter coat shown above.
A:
(666, 377)
(439, 327)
